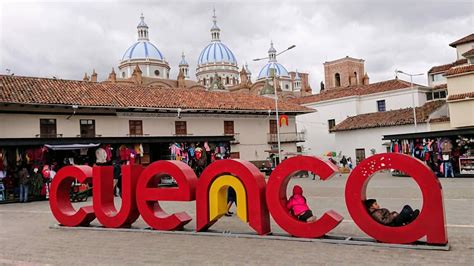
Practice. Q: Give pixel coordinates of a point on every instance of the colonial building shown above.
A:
(358, 119)
(43, 111)
(371, 107)
(460, 84)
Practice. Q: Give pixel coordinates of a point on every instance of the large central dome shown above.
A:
(145, 55)
(216, 52)
(143, 50)
(217, 61)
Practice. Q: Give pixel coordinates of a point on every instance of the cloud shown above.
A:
(69, 38)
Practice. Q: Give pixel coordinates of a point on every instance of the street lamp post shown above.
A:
(413, 93)
(273, 76)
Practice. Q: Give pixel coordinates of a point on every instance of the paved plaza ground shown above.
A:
(26, 238)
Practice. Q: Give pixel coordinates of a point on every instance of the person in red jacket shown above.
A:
(298, 207)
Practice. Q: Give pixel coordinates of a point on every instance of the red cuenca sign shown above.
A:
(256, 199)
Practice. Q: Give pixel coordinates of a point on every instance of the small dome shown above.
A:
(142, 22)
(143, 50)
(216, 52)
(280, 70)
(272, 49)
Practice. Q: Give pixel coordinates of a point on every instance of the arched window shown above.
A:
(357, 78)
(337, 78)
(204, 81)
(227, 80)
(123, 74)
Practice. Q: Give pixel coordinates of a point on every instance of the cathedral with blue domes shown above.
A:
(217, 69)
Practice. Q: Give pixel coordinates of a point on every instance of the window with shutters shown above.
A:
(228, 127)
(48, 128)
(136, 127)
(87, 127)
(180, 128)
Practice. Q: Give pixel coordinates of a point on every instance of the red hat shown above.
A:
(297, 190)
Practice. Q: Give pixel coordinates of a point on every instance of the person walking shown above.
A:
(25, 181)
(231, 198)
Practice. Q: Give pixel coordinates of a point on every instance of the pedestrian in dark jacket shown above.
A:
(25, 181)
(386, 217)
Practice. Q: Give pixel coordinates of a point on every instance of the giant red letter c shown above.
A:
(59, 202)
(276, 197)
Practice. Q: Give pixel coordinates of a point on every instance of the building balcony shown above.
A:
(286, 137)
(137, 135)
(49, 135)
(236, 138)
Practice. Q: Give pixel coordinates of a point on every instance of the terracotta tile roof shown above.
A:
(32, 90)
(442, 86)
(459, 70)
(468, 38)
(389, 118)
(440, 119)
(445, 67)
(469, 53)
(468, 95)
(329, 94)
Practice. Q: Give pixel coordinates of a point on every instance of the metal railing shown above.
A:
(137, 135)
(236, 138)
(286, 137)
(49, 135)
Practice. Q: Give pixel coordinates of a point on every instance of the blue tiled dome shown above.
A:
(143, 50)
(279, 69)
(216, 52)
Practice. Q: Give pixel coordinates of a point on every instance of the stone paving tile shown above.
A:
(26, 239)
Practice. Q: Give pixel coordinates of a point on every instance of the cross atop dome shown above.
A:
(215, 31)
(142, 29)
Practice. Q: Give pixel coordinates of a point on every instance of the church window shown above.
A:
(227, 80)
(357, 78)
(337, 78)
(287, 86)
(123, 74)
(157, 72)
(204, 81)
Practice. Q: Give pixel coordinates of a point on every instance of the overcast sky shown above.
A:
(67, 38)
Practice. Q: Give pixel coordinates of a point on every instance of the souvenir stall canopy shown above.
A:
(448, 153)
(40, 157)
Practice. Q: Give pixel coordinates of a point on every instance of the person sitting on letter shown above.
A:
(297, 205)
(385, 217)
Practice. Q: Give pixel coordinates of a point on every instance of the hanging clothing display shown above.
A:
(101, 156)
